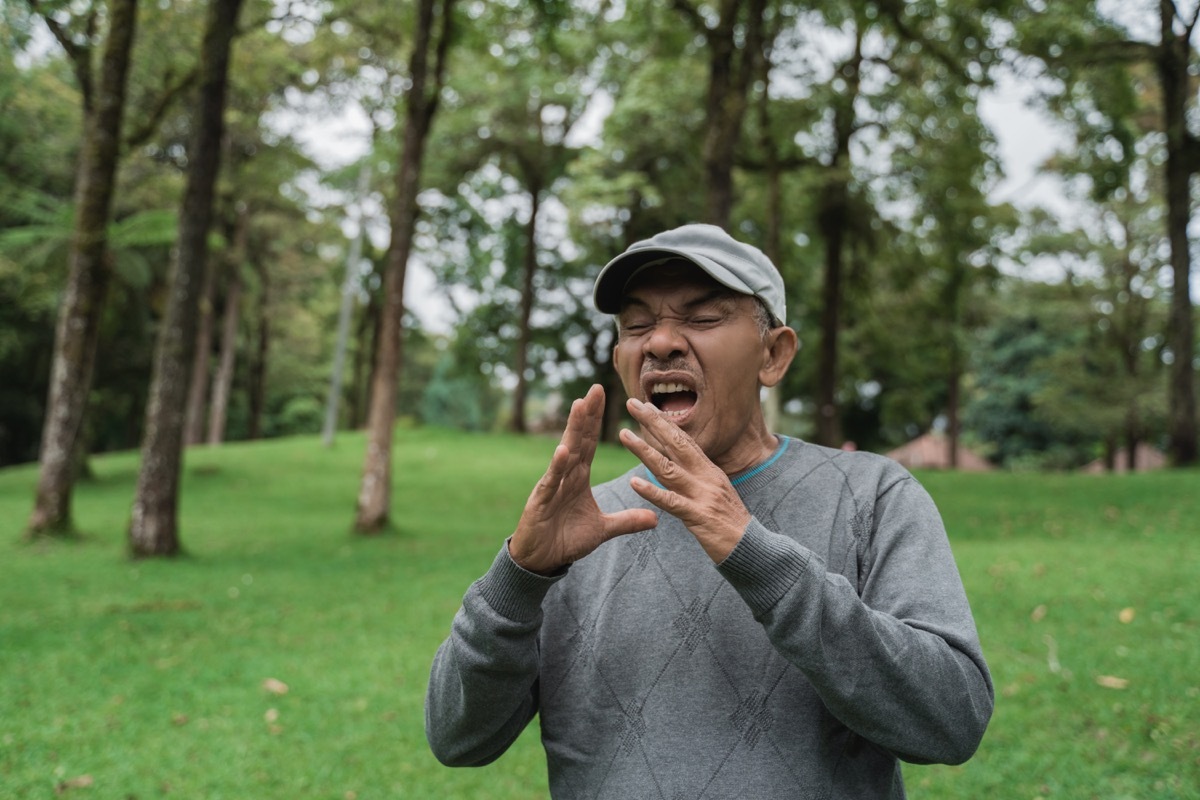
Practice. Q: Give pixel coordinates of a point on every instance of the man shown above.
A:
(741, 616)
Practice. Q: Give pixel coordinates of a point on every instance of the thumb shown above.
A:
(628, 521)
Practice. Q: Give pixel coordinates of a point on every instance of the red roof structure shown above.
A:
(1146, 458)
(932, 451)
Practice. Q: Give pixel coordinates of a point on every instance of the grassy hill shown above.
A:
(146, 679)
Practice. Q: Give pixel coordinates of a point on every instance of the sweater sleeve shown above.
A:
(483, 684)
(896, 658)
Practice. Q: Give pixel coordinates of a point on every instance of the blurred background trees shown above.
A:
(849, 141)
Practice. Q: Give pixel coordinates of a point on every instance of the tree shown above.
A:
(88, 276)
(223, 379)
(734, 45)
(1109, 387)
(153, 529)
(432, 37)
(1174, 58)
(520, 103)
(1087, 51)
(1009, 373)
(349, 290)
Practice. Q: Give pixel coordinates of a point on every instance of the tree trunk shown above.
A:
(222, 382)
(258, 366)
(833, 219)
(153, 529)
(366, 344)
(731, 69)
(374, 497)
(89, 272)
(1173, 76)
(521, 392)
(193, 425)
(223, 379)
(773, 235)
(953, 402)
(832, 224)
(349, 286)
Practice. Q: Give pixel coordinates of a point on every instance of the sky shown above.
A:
(1024, 136)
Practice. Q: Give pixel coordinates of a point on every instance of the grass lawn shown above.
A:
(148, 679)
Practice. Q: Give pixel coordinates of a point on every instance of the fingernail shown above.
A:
(636, 403)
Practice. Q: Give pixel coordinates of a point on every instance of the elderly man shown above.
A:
(743, 615)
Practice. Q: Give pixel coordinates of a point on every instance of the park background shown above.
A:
(250, 459)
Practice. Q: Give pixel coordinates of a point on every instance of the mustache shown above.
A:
(667, 365)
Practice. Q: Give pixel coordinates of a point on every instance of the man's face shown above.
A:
(693, 349)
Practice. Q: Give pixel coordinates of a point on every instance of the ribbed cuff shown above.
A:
(764, 567)
(514, 592)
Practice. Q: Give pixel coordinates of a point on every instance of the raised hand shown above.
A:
(561, 522)
(694, 489)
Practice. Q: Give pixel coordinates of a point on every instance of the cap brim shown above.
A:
(610, 283)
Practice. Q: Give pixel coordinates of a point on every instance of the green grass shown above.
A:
(148, 676)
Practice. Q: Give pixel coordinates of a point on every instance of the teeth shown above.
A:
(667, 388)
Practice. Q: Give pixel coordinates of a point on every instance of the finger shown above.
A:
(668, 437)
(658, 463)
(551, 479)
(574, 434)
(663, 498)
(593, 403)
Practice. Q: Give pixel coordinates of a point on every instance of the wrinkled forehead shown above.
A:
(677, 278)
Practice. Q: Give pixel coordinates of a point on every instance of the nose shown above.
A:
(665, 341)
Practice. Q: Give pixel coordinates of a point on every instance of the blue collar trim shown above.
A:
(783, 446)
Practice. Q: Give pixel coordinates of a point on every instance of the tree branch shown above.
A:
(159, 110)
(783, 164)
(895, 13)
(1191, 26)
(692, 15)
(1123, 50)
(81, 57)
(1190, 154)
(1175, 11)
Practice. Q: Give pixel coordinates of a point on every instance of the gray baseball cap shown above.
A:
(731, 263)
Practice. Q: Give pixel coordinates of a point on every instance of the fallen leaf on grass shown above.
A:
(272, 715)
(1112, 682)
(275, 686)
(1126, 616)
(82, 782)
(1038, 614)
(179, 719)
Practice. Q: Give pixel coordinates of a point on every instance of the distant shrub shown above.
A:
(299, 415)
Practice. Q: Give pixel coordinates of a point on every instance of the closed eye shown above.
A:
(705, 321)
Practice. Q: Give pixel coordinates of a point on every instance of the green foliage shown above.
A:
(1007, 380)
(456, 397)
(1096, 86)
(300, 415)
(146, 675)
(925, 240)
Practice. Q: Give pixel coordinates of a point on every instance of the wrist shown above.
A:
(526, 560)
(720, 540)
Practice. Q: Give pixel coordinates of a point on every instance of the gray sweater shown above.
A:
(834, 640)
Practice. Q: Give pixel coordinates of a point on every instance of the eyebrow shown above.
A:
(713, 295)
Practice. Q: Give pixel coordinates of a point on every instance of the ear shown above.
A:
(779, 348)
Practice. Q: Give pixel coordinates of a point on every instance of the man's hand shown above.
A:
(561, 522)
(695, 489)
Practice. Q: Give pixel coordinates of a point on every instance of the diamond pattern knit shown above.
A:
(835, 639)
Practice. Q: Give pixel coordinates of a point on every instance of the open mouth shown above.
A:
(675, 400)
